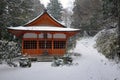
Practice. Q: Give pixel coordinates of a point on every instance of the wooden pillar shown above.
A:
(52, 43)
(37, 43)
(67, 37)
(22, 46)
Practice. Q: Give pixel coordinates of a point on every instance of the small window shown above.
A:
(49, 44)
(59, 44)
(30, 35)
(41, 44)
(58, 35)
(41, 35)
(45, 35)
(30, 44)
(49, 35)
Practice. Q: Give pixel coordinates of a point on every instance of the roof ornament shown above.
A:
(45, 10)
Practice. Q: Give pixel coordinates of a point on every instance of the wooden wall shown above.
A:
(39, 51)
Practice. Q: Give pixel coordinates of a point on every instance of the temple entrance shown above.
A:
(46, 44)
(45, 47)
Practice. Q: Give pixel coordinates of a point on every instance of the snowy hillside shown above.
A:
(91, 65)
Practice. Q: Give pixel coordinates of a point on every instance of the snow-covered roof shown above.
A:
(34, 19)
(42, 28)
(43, 14)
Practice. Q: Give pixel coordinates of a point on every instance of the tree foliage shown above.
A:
(16, 13)
(9, 51)
(106, 43)
(111, 8)
(87, 16)
(55, 8)
(111, 11)
(66, 17)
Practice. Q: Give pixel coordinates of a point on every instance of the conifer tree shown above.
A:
(86, 15)
(55, 8)
(16, 13)
(111, 9)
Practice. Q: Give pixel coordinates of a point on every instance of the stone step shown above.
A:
(45, 58)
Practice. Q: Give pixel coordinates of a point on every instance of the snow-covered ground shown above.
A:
(91, 65)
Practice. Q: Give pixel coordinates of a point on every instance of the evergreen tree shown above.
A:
(76, 23)
(66, 17)
(86, 15)
(9, 51)
(111, 10)
(2, 12)
(55, 8)
(16, 13)
(19, 11)
(2, 15)
(37, 8)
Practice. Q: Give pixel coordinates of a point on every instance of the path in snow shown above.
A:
(91, 66)
(94, 64)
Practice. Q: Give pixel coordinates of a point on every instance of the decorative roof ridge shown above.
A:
(45, 11)
(34, 19)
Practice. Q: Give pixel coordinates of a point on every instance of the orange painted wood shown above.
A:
(44, 20)
(38, 51)
(59, 52)
(30, 51)
(41, 51)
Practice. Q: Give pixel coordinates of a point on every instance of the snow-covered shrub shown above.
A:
(106, 42)
(25, 62)
(57, 62)
(65, 60)
(8, 51)
(77, 54)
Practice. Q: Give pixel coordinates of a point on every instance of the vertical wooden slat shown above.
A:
(22, 46)
(52, 43)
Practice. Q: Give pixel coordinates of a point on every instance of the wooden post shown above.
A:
(22, 46)
(52, 43)
(37, 43)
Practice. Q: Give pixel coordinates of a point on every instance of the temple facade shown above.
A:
(43, 35)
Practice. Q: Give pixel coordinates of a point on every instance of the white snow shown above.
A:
(65, 3)
(43, 28)
(91, 65)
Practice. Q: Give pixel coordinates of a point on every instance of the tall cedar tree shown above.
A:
(86, 16)
(2, 18)
(15, 13)
(76, 15)
(55, 8)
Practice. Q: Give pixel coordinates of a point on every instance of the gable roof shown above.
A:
(45, 19)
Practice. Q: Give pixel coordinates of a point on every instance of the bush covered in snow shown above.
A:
(8, 51)
(106, 42)
(65, 60)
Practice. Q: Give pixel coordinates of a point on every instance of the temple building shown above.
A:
(43, 35)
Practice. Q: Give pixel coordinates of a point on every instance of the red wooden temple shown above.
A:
(43, 35)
